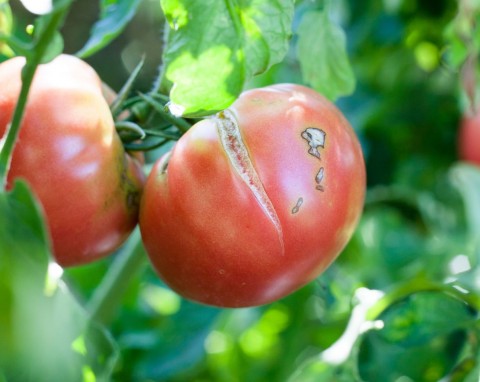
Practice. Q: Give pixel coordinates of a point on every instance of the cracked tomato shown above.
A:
(256, 201)
(70, 154)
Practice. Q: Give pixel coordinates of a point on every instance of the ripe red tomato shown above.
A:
(469, 138)
(255, 202)
(70, 154)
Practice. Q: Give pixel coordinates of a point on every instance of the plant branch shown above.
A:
(180, 123)
(39, 49)
(109, 294)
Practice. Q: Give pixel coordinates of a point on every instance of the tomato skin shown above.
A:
(208, 236)
(469, 138)
(70, 154)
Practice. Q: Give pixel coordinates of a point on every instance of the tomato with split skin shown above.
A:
(70, 154)
(257, 201)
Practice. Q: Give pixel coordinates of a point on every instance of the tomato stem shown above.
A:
(116, 106)
(39, 49)
(145, 146)
(109, 294)
(160, 83)
(14, 127)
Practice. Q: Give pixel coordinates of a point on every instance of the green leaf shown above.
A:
(317, 370)
(468, 370)
(114, 16)
(215, 46)
(47, 40)
(457, 50)
(322, 54)
(6, 23)
(54, 48)
(20, 219)
(466, 178)
(422, 317)
(170, 343)
(44, 332)
(422, 338)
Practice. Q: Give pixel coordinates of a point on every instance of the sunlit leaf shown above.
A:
(5, 25)
(114, 16)
(216, 45)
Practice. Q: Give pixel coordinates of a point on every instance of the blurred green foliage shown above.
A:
(401, 302)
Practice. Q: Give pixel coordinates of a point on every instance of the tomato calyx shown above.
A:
(239, 158)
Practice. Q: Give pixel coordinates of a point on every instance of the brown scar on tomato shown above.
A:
(297, 206)
(319, 178)
(240, 160)
(315, 138)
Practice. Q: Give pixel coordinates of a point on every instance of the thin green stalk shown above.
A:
(415, 286)
(159, 83)
(180, 123)
(14, 128)
(116, 106)
(161, 134)
(39, 49)
(131, 127)
(145, 146)
(109, 294)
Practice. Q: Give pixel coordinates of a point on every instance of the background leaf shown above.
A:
(114, 16)
(321, 50)
(466, 178)
(21, 218)
(317, 370)
(430, 323)
(422, 317)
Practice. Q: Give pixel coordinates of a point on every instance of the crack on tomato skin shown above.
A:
(165, 161)
(240, 160)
